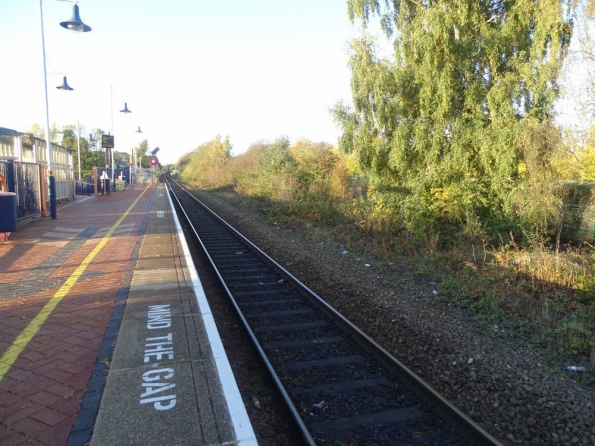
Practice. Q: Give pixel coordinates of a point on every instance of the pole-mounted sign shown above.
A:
(107, 141)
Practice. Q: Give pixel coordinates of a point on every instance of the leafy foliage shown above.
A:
(542, 291)
(207, 161)
(320, 170)
(450, 123)
(141, 153)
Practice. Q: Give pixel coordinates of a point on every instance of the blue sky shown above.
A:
(189, 71)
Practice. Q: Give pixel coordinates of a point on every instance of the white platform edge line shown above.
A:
(237, 411)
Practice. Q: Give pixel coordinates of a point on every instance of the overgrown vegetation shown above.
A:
(531, 284)
(450, 162)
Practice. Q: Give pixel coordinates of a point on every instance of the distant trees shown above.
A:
(320, 170)
(204, 165)
(141, 153)
(576, 158)
(70, 141)
(277, 171)
(457, 124)
(91, 152)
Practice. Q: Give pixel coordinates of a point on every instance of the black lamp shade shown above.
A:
(64, 85)
(75, 23)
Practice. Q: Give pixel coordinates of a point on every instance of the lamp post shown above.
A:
(132, 152)
(78, 143)
(94, 148)
(124, 110)
(75, 24)
(67, 87)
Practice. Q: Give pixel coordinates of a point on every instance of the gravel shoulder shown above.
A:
(501, 383)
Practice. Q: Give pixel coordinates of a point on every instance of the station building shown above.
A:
(24, 171)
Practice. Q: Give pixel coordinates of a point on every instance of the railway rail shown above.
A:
(339, 385)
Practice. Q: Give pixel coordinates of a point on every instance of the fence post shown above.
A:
(96, 184)
(44, 190)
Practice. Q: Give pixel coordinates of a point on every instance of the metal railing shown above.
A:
(28, 189)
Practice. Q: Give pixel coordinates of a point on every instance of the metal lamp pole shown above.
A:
(78, 142)
(93, 147)
(75, 24)
(125, 110)
(48, 141)
(136, 159)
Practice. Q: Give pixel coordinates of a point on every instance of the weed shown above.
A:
(351, 255)
(544, 293)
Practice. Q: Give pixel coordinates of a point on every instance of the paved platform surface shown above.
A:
(105, 334)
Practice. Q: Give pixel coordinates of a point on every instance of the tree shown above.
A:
(207, 162)
(141, 151)
(183, 161)
(70, 141)
(580, 94)
(97, 152)
(576, 111)
(37, 130)
(449, 122)
(319, 169)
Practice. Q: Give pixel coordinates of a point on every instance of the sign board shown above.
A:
(107, 141)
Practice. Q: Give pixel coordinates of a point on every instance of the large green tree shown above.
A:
(457, 121)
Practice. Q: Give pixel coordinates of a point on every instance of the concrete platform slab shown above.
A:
(97, 277)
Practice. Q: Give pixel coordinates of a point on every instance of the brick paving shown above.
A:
(41, 393)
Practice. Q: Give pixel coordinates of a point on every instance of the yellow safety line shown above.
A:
(19, 344)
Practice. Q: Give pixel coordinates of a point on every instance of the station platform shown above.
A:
(106, 336)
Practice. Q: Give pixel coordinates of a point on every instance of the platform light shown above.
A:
(74, 24)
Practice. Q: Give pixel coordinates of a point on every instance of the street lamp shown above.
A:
(124, 110)
(78, 143)
(93, 147)
(75, 24)
(132, 152)
(65, 86)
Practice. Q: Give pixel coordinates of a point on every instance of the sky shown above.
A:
(253, 70)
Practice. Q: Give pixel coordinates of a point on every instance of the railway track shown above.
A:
(340, 387)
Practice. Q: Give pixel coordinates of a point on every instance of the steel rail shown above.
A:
(302, 429)
(448, 411)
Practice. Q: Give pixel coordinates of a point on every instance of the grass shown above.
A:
(544, 296)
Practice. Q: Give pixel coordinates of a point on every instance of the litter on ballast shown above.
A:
(576, 368)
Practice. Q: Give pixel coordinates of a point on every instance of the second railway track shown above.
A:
(339, 385)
